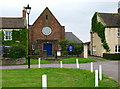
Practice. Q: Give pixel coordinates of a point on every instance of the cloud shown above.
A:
(75, 15)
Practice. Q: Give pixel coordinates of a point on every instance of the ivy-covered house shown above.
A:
(13, 31)
(105, 33)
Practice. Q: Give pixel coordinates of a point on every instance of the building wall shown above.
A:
(112, 38)
(58, 31)
(97, 43)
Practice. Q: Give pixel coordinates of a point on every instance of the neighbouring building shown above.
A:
(12, 29)
(105, 33)
(45, 32)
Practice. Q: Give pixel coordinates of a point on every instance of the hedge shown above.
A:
(16, 52)
(115, 56)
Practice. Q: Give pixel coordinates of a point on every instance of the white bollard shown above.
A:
(61, 64)
(91, 66)
(44, 81)
(96, 78)
(77, 63)
(39, 63)
(100, 72)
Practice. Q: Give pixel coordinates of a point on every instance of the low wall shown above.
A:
(8, 61)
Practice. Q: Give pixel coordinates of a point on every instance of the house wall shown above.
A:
(112, 38)
(97, 43)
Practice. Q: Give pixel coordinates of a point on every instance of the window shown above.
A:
(117, 48)
(33, 47)
(7, 35)
(119, 32)
(94, 48)
(46, 17)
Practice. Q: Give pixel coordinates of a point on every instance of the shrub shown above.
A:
(63, 44)
(65, 53)
(36, 52)
(16, 52)
(78, 49)
(115, 56)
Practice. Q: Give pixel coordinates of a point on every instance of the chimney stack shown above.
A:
(24, 13)
(119, 7)
(118, 10)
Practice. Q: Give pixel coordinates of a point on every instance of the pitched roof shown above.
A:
(11, 23)
(71, 37)
(110, 19)
(47, 10)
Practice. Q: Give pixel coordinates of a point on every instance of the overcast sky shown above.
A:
(75, 15)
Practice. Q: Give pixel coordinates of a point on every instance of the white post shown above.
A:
(77, 63)
(61, 64)
(91, 66)
(85, 51)
(39, 63)
(96, 78)
(44, 81)
(100, 72)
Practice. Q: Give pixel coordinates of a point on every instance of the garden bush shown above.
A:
(115, 56)
(36, 52)
(65, 53)
(16, 52)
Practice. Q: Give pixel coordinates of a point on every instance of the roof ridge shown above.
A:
(11, 17)
(107, 13)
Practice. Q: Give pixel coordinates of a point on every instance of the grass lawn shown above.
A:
(35, 61)
(73, 60)
(65, 61)
(57, 77)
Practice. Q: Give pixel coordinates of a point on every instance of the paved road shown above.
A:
(110, 68)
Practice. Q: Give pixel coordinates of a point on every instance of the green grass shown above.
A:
(57, 77)
(73, 60)
(35, 61)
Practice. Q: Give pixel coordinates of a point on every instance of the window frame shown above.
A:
(7, 34)
(118, 32)
(117, 49)
(33, 46)
(94, 48)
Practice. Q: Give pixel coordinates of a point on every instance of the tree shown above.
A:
(63, 44)
(78, 49)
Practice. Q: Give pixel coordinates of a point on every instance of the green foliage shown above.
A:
(0, 37)
(99, 28)
(36, 52)
(19, 37)
(15, 35)
(65, 52)
(114, 56)
(16, 52)
(78, 49)
(63, 44)
(105, 45)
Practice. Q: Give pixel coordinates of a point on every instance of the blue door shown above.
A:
(48, 48)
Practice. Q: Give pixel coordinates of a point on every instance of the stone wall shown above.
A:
(8, 61)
